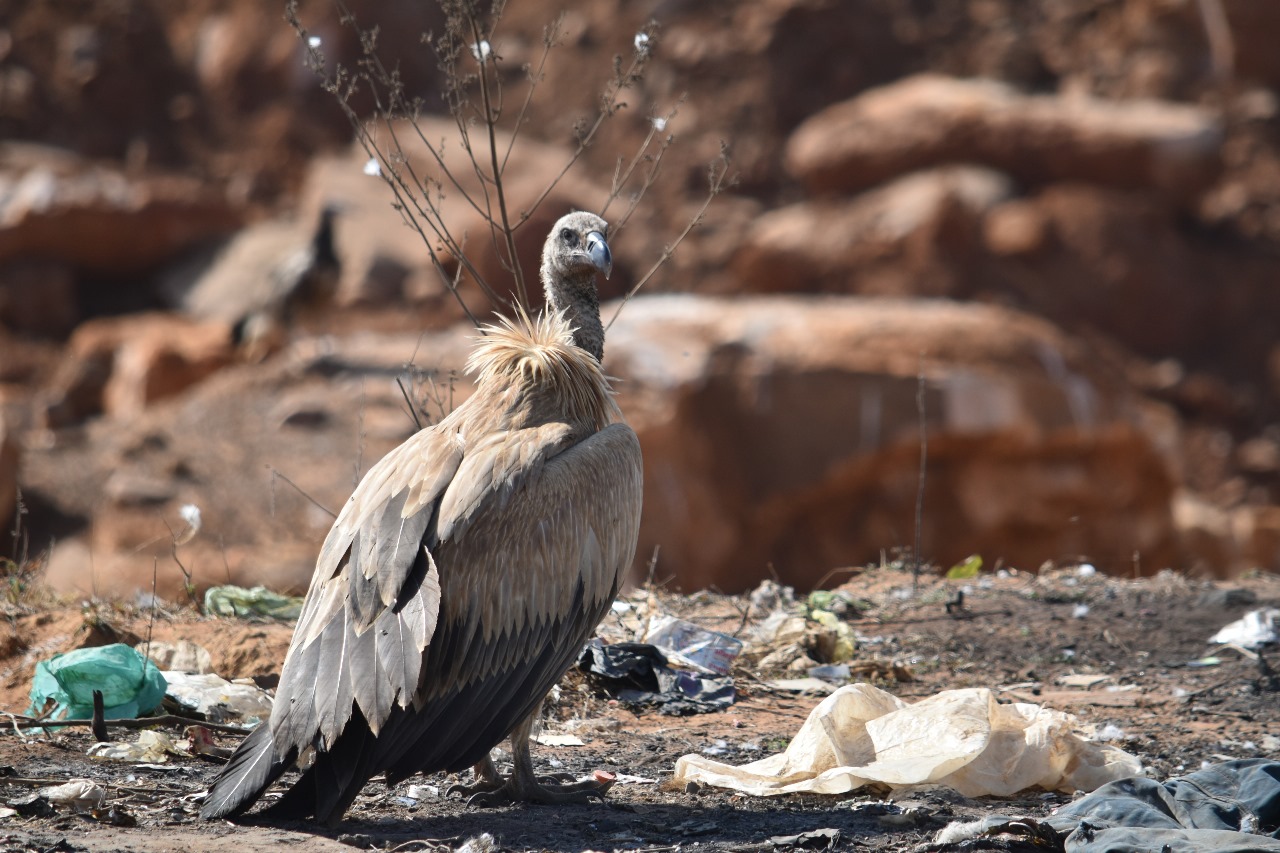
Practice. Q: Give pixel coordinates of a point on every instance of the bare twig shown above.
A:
(275, 472)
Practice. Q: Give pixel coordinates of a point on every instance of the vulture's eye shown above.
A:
(568, 237)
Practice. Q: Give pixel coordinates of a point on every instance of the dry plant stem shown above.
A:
(924, 458)
(491, 121)
(275, 472)
(22, 722)
(719, 179)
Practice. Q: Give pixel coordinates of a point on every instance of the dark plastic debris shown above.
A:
(637, 675)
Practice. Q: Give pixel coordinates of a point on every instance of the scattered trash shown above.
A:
(482, 843)
(258, 601)
(32, 805)
(967, 568)
(687, 644)
(628, 779)
(6, 812)
(780, 629)
(422, 792)
(217, 699)
(1082, 680)
(560, 740)
(1222, 807)
(151, 746)
(838, 672)
(1109, 732)
(1080, 611)
(771, 596)
(200, 742)
(114, 816)
(1204, 662)
(130, 684)
(1086, 570)
(79, 795)
(637, 674)
(182, 656)
(835, 644)
(837, 601)
(1255, 629)
(802, 685)
(814, 839)
(963, 739)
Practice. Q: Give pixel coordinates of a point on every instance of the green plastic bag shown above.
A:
(130, 683)
(259, 601)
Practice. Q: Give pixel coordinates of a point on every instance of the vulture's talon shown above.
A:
(480, 786)
(546, 794)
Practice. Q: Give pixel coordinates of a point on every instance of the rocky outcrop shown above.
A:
(929, 120)
(54, 206)
(777, 432)
(904, 238)
(8, 475)
(782, 435)
(121, 365)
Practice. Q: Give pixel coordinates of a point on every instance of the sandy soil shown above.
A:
(1168, 696)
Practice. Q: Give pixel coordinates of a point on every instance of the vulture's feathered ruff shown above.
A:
(466, 571)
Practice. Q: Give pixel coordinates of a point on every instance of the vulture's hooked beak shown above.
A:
(598, 251)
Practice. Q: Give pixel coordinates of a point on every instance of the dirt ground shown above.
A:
(1166, 695)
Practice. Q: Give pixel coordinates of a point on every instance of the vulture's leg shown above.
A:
(523, 786)
(484, 777)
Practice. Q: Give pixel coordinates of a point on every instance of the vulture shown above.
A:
(465, 573)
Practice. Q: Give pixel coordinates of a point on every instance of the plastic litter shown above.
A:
(838, 672)
(258, 601)
(1222, 808)
(802, 685)
(1255, 629)
(151, 746)
(217, 699)
(79, 795)
(130, 684)
(963, 739)
(689, 645)
(637, 674)
(182, 656)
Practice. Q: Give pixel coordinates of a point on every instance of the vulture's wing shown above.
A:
(461, 581)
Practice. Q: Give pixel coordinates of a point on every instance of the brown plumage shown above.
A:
(465, 572)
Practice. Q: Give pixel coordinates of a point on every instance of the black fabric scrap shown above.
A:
(637, 675)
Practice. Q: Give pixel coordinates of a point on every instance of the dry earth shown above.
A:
(1171, 697)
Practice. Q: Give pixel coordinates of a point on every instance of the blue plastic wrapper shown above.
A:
(130, 683)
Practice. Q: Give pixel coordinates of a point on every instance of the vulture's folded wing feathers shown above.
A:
(515, 603)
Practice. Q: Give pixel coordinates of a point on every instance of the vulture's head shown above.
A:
(576, 249)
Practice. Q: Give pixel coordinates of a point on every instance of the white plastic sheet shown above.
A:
(963, 739)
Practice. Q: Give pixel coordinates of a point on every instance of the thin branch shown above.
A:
(718, 180)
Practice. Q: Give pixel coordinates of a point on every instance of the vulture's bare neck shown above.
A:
(577, 297)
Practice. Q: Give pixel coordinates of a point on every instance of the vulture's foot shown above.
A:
(528, 790)
(485, 779)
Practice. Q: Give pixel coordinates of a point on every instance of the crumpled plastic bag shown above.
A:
(637, 675)
(963, 739)
(130, 683)
(80, 795)
(151, 747)
(217, 699)
(258, 601)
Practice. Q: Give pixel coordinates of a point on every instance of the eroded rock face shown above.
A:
(8, 475)
(122, 365)
(783, 434)
(928, 120)
(780, 434)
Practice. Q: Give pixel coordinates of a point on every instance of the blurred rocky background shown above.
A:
(1044, 232)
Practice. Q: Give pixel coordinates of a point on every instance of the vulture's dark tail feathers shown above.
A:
(251, 769)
